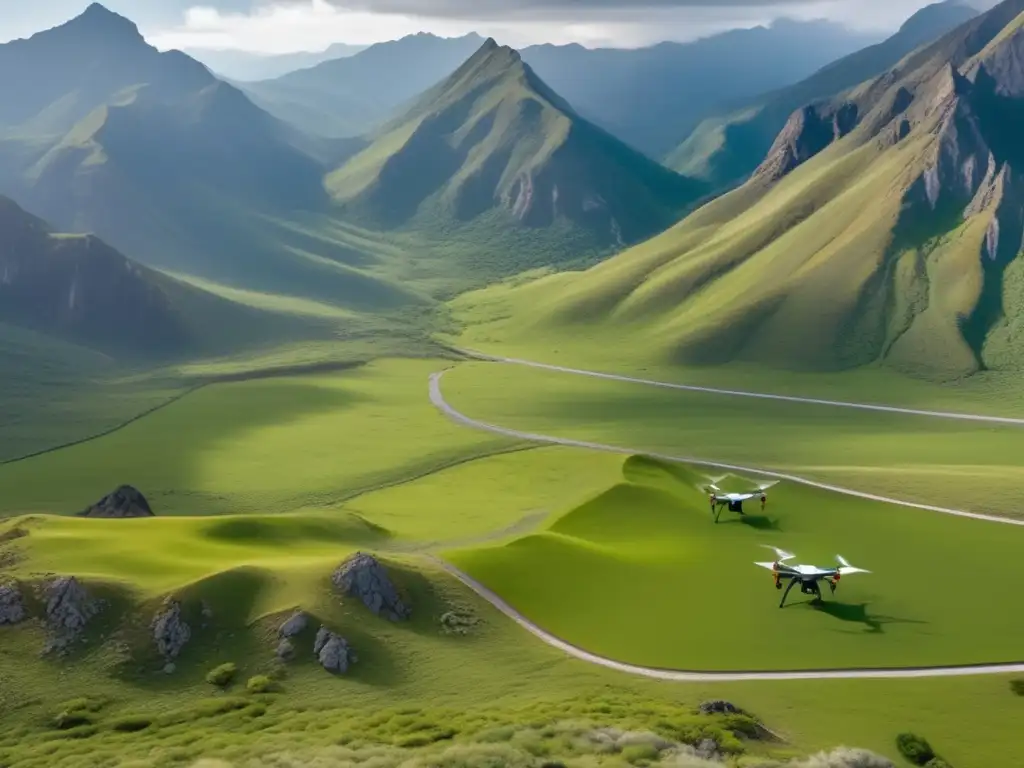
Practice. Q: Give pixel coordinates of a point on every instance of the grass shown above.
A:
(627, 573)
(414, 683)
(958, 464)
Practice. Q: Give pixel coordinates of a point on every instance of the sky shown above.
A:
(285, 26)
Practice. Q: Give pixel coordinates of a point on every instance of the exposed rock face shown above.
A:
(12, 606)
(170, 631)
(363, 577)
(809, 131)
(708, 749)
(285, 650)
(332, 651)
(126, 501)
(294, 626)
(68, 606)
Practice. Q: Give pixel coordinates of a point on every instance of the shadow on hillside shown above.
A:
(859, 614)
(758, 522)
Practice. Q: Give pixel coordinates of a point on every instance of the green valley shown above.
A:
(379, 414)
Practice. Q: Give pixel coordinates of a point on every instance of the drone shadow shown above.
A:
(859, 614)
(758, 522)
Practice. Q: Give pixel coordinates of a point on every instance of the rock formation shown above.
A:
(285, 650)
(363, 577)
(170, 631)
(126, 501)
(69, 607)
(718, 707)
(294, 625)
(332, 651)
(12, 605)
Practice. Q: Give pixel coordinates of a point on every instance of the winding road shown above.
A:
(437, 398)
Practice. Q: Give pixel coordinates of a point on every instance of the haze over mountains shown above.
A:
(649, 97)
(868, 216)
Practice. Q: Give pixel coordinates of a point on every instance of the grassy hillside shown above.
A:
(726, 148)
(648, 545)
(492, 695)
(880, 228)
(492, 150)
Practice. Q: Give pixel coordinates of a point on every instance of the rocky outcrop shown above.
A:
(170, 632)
(295, 625)
(69, 607)
(809, 131)
(362, 576)
(332, 651)
(718, 707)
(12, 605)
(285, 650)
(125, 502)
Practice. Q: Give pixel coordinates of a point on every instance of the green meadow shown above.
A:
(975, 466)
(262, 486)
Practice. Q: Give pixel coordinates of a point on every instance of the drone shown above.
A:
(807, 576)
(735, 500)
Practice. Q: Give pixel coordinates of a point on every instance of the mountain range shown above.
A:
(878, 218)
(649, 97)
(883, 226)
(725, 148)
(243, 66)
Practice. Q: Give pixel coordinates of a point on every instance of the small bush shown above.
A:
(223, 675)
(260, 684)
(915, 748)
(132, 723)
(640, 753)
(1017, 686)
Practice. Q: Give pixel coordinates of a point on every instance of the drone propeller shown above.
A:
(781, 554)
(766, 485)
(846, 568)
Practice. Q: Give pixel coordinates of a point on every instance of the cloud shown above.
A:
(284, 26)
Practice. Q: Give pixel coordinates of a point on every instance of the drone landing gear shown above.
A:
(807, 588)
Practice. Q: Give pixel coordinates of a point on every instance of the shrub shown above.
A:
(1017, 686)
(223, 675)
(72, 719)
(260, 684)
(913, 747)
(638, 753)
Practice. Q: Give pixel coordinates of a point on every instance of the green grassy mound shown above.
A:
(641, 574)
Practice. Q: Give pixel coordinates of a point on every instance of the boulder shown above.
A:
(294, 626)
(707, 749)
(332, 651)
(170, 631)
(68, 606)
(125, 502)
(12, 606)
(718, 707)
(364, 577)
(285, 650)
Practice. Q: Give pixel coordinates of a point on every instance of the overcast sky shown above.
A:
(280, 26)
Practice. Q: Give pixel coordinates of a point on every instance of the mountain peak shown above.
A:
(98, 19)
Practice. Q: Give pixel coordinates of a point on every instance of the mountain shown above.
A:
(725, 149)
(79, 289)
(493, 150)
(652, 97)
(884, 226)
(102, 133)
(349, 96)
(243, 66)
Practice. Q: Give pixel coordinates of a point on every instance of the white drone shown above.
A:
(807, 576)
(735, 500)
